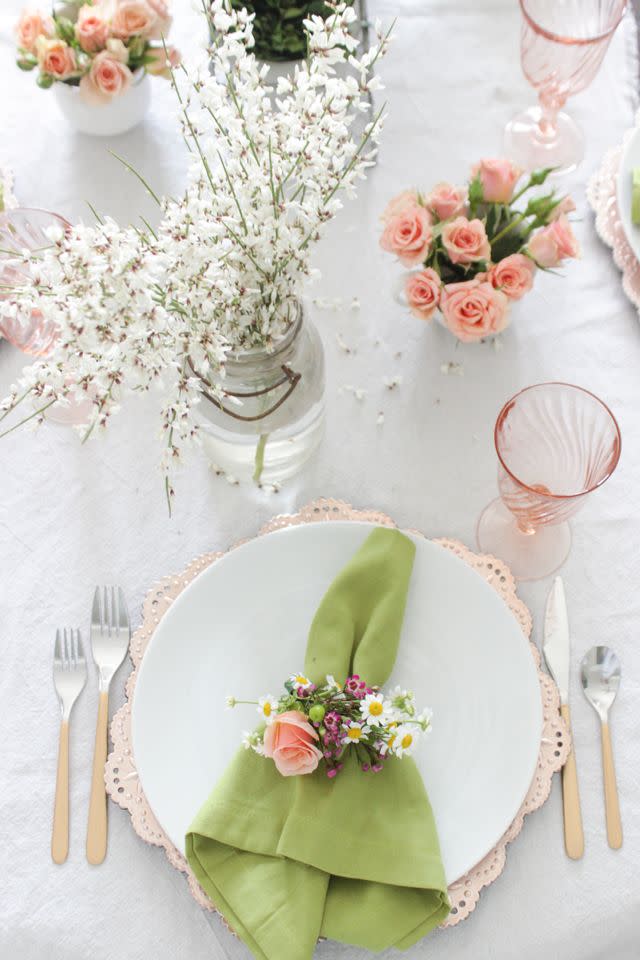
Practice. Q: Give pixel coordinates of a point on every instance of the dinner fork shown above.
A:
(69, 677)
(110, 634)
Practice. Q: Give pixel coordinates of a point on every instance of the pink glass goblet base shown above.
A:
(534, 145)
(530, 556)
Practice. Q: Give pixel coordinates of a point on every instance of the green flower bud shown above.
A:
(317, 712)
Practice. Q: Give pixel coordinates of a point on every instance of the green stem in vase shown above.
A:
(259, 458)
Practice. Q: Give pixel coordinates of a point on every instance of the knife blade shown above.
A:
(557, 649)
(557, 643)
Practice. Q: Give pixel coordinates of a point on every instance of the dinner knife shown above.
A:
(557, 654)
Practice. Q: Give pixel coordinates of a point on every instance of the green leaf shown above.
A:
(476, 195)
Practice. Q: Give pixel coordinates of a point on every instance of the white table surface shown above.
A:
(71, 517)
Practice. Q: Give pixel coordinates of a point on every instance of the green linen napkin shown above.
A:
(356, 858)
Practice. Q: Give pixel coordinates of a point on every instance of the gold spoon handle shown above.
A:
(573, 835)
(612, 806)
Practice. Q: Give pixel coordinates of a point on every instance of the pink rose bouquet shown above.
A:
(321, 723)
(477, 248)
(101, 49)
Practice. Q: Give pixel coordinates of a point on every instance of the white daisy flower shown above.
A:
(299, 680)
(332, 683)
(404, 740)
(424, 719)
(267, 708)
(355, 731)
(375, 709)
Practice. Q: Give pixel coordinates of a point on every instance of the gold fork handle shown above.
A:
(573, 835)
(97, 826)
(612, 806)
(60, 832)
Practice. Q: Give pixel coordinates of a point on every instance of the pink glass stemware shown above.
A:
(23, 230)
(555, 443)
(562, 46)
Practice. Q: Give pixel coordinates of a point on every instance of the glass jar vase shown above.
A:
(270, 416)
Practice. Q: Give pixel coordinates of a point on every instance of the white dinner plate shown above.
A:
(630, 159)
(240, 628)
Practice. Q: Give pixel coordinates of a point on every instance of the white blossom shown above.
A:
(229, 259)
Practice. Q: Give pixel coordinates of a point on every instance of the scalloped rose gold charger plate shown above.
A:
(121, 775)
(602, 194)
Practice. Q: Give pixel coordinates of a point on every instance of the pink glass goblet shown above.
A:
(562, 46)
(555, 443)
(23, 230)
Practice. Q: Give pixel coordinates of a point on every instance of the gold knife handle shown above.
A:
(612, 806)
(573, 835)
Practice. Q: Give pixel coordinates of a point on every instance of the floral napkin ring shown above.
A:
(312, 723)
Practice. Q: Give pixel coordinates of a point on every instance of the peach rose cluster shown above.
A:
(109, 41)
(443, 235)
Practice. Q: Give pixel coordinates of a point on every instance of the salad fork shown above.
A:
(69, 677)
(110, 634)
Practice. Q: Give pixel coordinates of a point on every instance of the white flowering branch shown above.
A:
(224, 268)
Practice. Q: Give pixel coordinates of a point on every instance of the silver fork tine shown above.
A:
(80, 649)
(105, 611)
(57, 650)
(96, 617)
(65, 647)
(123, 620)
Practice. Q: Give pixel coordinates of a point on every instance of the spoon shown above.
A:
(600, 671)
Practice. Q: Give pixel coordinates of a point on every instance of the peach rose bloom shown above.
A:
(133, 18)
(108, 76)
(56, 58)
(163, 22)
(447, 201)
(554, 243)
(29, 27)
(288, 741)
(513, 275)
(565, 206)
(406, 200)
(473, 309)
(466, 240)
(498, 178)
(92, 28)
(162, 63)
(409, 236)
(422, 291)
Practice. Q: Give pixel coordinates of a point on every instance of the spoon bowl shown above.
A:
(600, 673)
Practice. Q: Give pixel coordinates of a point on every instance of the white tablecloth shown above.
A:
(71, 517)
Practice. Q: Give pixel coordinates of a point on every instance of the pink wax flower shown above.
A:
(356, 687)
(31, 25)
(554, 243)
(56, 58)
(406, 200)
(133, 18)
(422, 291)
(289, 742)
(513, 275)
(498, 178)
(108, 76)
(466, 240)
(92, 28)
(447, 201)
(473, 309)
(409, 236)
